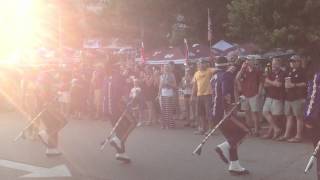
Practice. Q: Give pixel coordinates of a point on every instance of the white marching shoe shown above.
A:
(223, 151)
(53, 152)
(116, 143)
(236, 169)
(123, 157)
(44, 137)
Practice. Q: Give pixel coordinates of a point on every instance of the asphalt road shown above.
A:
(156, 155)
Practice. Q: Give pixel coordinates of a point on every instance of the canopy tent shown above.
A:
(222, 45)
(222, 48)
(230, 50)
(164, 56)
(199, 51)
(278, 53)
(177, 54)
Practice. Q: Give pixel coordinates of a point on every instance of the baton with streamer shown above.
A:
(312, 158)
(103, 144)
(30, 123)
(44, 109)
(198, 149)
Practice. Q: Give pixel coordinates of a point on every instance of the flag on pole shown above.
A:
(186, 50)
(142, 53)
(210, 27)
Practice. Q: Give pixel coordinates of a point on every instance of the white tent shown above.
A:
(222, 45)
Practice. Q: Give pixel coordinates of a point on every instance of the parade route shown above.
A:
(156, 155)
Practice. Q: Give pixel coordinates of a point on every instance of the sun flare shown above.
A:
(21, 26)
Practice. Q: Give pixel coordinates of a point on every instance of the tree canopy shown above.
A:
(269, 23)
(272, 23)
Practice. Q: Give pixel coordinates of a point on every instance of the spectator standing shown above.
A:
(96, 84)
(178, 76)
(273, 106)
(76, 107)
(150, 94)
(295, 84)
(167, 89)
(156, 82)
(135, 92)
(186, 85)
(202, 90)
(64, 94)
(251, 83)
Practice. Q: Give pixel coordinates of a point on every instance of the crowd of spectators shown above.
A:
(180, 95)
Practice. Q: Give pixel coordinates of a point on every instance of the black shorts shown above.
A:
(204, 105)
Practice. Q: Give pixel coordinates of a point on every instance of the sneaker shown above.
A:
(239, 173)
(44, 137)
(267, 136)
(223, 154)
(123, 158)
(276, 134)
(236, 169)
(295, 140)
(53, 152)
(116, 143)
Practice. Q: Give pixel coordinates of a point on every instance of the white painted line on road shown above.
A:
(35, 171)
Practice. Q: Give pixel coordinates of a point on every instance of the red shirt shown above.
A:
(296, 93)
(250, 81)
(276, 92)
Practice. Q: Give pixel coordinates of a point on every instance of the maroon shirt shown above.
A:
(250, 82)
(276, 92)
(296, 93)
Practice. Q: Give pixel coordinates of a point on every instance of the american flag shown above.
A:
(210, 27)
(186, 50)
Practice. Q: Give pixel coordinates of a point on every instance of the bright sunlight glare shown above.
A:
(20, 26)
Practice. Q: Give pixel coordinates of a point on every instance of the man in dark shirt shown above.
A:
(273, 106)
(295, 85)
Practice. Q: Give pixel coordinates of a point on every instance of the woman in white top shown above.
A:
(167, 89)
